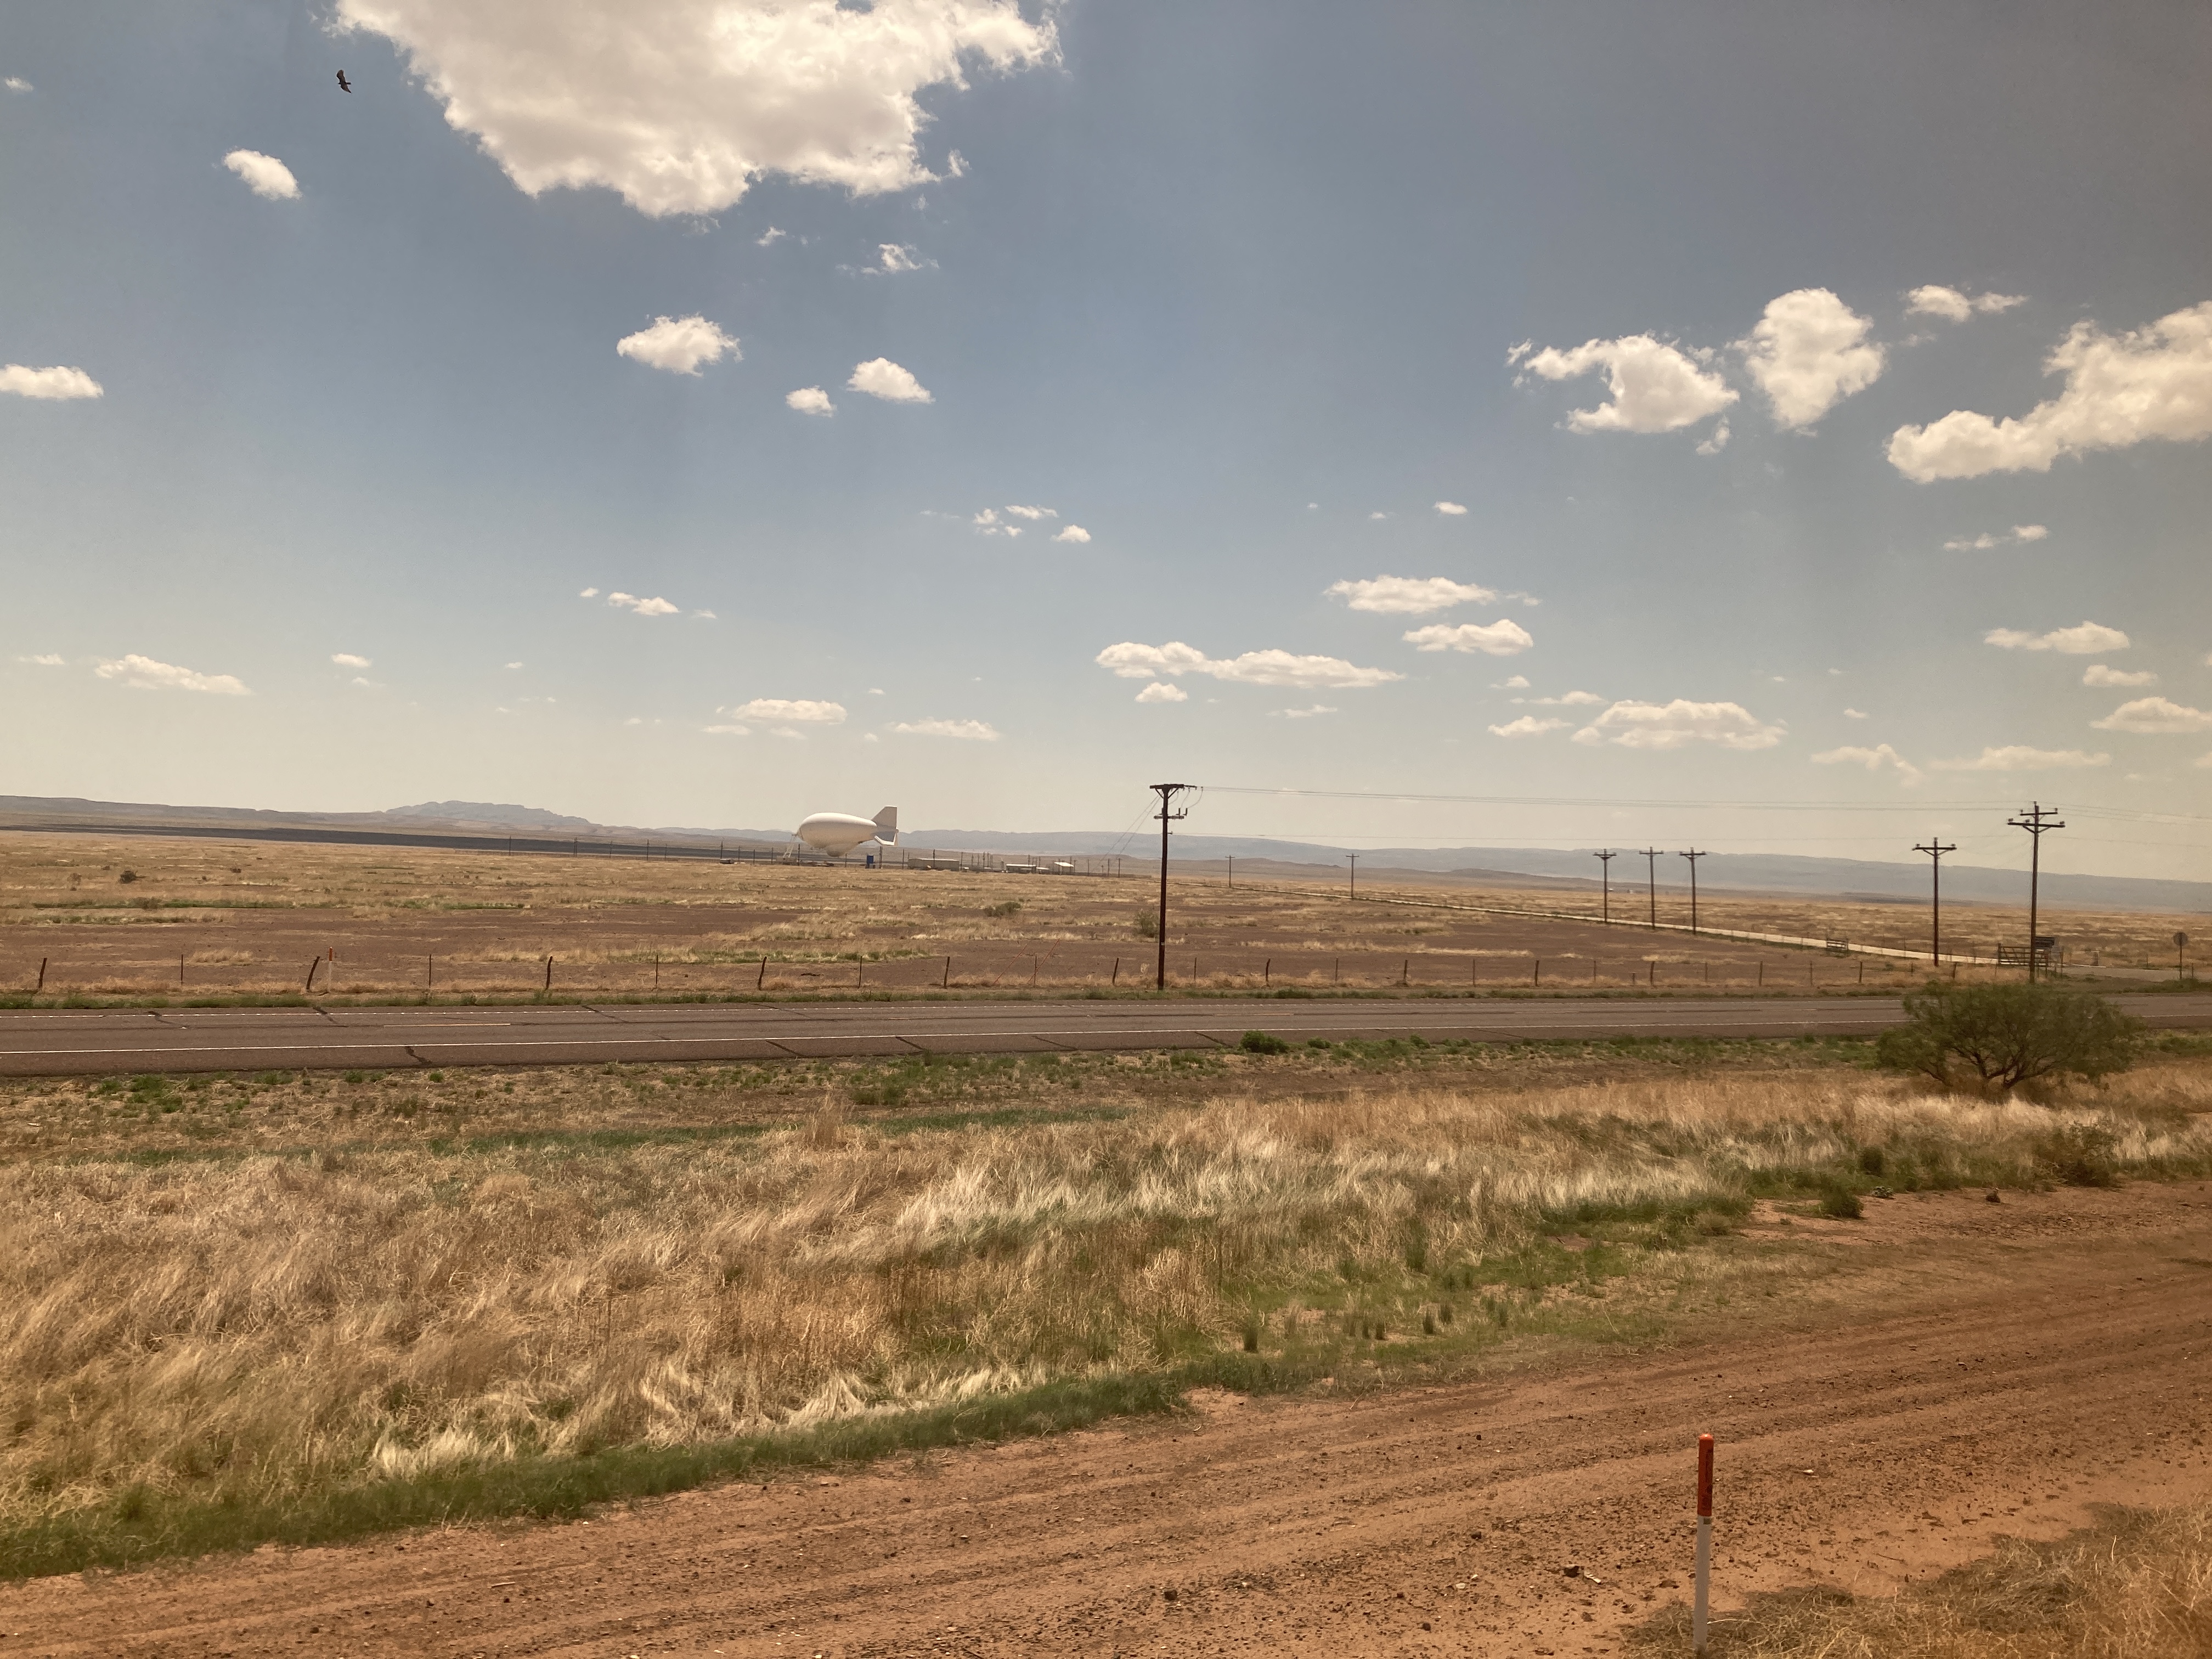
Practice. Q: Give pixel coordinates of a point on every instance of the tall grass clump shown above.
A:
(249, 1330)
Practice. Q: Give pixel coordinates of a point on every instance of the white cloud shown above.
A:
(49, 384)
(787, 711)
(1572, 700)
(1873, 759)
(512, 664)
(680, 106)
(1033, 512)
(729, 731)
(1718, 442)
(769, 237)
(1313, 713)
(44, 660)
(1936, 300)
(1497, 639)
(705, 616)
(265, 175)
(1855, 713)
(1987, 539)
(987, 521)
(1272, 667)
(1451, 509)
(809, 400)
(146, 674)
(347, 659)
(588, 594)
(1074, 532)
(1529, 725)
(2098, 674)
(1656, 387)
(2085, 638)
(971, 731)
(680, 344)
(1409, 596)
(2018, 757)
(16, 84)
(879, 377)
(1517, 683)
(1162, 691)
(1679, 724)
(1808, 352)
(894, 257)
(654, 607)
(2120, 390)
(2154, 714)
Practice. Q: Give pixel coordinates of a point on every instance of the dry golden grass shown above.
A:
(2136, 1586)
(258, 1325)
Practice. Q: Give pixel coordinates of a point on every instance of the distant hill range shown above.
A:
(489, 823)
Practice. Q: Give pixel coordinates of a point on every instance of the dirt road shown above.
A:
(1980, 1369)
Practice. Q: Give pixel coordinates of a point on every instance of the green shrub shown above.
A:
(1007, 908)
(1996, 1037)
(1842, 1203)
(1260, 1043)
(2078, 1155)
(1146, 923)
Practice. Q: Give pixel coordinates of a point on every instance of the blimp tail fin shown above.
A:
(887, 826)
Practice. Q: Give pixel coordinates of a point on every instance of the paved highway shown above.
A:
(75, 1042)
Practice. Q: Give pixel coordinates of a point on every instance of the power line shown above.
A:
(1735, 805)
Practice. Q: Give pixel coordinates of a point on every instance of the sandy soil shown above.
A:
(1975, 1370)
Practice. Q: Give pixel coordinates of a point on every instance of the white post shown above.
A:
(1704, 1569)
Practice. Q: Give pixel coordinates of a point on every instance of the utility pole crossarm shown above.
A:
(1935, 848)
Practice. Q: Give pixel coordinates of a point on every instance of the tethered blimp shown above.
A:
(839, 833)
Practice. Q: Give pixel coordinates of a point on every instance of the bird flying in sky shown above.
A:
(345, 85)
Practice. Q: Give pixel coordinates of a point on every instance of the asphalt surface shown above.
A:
(77, 1042)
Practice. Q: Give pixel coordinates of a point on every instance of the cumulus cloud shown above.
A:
(2018, 757)
(2120, 390)
(680, 106)
(1808, 352)
(1655, 386)
(2085, 638)
(1718, 442)
(1451, 509)
(2098, 674)
(1034, 512)
(1163, 691)
(971, 731)
(148, 675)
(988, 522)
(1529, 725)
(1311, 713)
(787, 711)
(680, 344)
(1936, 300)
(1677, 725)
(1874, 759)
(1272, 667)
(1409, 596)
(265, 175)
(894, 257)
(54, 385)
(1855, 713)
(44, 660)
(1572, 700)
(1074, 532)
(2156, 715)
(16, 84)
(809, 400)
(347, 659)
(879, 377)
(1987, 539)
(1497, 639)
(654, 607)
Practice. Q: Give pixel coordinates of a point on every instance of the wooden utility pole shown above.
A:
(1651, 882)
(1693, 857)
(1934, 849)
(1605, 874)
(1167, 793)
(2037, 821)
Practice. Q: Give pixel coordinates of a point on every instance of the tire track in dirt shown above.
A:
(1985, 1370)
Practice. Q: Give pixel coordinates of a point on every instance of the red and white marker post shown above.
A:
(1704, 1569)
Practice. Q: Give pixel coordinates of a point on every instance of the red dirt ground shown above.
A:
(1979, 1370)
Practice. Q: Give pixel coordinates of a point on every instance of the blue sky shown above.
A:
(1242, 293)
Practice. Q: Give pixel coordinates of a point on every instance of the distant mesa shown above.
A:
(471, 814)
